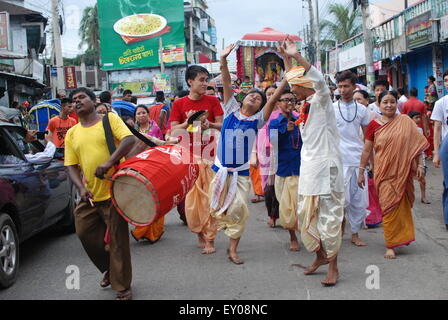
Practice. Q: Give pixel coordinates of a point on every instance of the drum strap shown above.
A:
(141, 137)
(109, 136)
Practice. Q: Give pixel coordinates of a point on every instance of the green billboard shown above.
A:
(130, 32)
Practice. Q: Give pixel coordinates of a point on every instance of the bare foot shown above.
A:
(357, 242)
(294, 245)
(271, 223)
(209, 247)
(332, 277)
(201, 241)
(390, 254)
(319, 262)
(234, 257)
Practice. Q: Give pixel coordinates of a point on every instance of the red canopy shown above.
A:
(269, 34)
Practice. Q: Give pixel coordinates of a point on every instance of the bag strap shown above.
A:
(109, 136)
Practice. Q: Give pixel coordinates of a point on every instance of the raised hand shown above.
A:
(225, 53)
(290, 47)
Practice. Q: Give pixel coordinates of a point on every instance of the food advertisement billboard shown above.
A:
(130, 32)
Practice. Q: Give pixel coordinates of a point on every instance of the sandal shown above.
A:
(106, 280)
(124, 295)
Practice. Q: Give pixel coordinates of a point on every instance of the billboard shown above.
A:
(130, 31)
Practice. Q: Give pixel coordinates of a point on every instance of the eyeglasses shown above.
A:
(292, 100)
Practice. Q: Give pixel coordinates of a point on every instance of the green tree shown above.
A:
(89, 33)
(344, 24)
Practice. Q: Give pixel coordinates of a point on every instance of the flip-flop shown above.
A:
(106, 280)
(257, 199)
(124, 295)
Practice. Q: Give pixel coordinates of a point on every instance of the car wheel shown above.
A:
(9, 251)
(67, 223)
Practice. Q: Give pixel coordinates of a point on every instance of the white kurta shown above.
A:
(320, 137)
(350, 118)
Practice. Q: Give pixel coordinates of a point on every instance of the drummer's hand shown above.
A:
(102, 169)
(85, 194)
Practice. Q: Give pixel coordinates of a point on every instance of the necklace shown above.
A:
(295, 145)
(340, 112)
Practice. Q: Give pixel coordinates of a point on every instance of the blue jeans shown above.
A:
(444, 161)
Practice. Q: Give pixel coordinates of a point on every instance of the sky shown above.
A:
(234, 18)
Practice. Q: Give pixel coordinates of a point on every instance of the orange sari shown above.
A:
(397, 145)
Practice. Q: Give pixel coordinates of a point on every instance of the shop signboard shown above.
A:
(352, 58)
(162, 82)
(444, 27)
(70, 78)
(130, 31)
(420, 31)
(138, 87)
(4, 30)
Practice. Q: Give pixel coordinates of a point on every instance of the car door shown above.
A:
(54, 176)
(30, 191)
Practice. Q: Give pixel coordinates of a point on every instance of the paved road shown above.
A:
(175, 269)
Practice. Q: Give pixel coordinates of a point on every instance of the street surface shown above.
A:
(174, 268)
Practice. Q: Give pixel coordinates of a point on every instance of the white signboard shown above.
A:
(444, 27)
(38, 71)
(352, 57)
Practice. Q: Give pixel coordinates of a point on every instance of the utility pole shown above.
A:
(318, 57)
(312, 35)
(57, 44)
(368, 41)
(162, 64)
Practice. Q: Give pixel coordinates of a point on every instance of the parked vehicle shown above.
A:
(32, 197)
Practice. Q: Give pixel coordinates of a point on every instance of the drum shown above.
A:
(153, 182)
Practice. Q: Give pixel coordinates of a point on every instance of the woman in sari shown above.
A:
(398, 147)
(148, 127)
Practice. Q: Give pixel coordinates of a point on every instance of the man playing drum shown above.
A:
(86, 151)
(197, 203)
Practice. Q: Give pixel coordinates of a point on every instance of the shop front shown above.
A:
(421, 35)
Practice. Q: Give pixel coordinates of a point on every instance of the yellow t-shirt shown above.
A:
(88, 148)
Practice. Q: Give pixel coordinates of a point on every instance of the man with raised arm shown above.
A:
(321, 187)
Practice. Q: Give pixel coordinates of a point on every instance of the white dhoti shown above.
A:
(320, 219)
(356, 199)
(233, 220)
(286, 190)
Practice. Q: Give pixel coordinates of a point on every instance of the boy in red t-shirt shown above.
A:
(197, 204)
(58, 126)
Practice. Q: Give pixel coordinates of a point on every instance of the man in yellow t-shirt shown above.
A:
(86, 151)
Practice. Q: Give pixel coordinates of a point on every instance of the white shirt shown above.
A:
(440, 113)
(351, 144)
(320, 150)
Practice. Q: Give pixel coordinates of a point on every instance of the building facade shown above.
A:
(22, 43)
(408, 48)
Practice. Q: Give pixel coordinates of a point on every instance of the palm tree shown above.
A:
(89, 31)
(345, 23)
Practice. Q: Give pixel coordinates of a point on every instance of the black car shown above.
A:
(33, 197)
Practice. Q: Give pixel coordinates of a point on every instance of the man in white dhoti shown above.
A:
(321, 187)
(351, 117)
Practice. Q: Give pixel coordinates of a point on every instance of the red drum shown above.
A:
(153, 182)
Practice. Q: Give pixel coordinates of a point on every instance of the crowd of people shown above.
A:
(316, 160)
